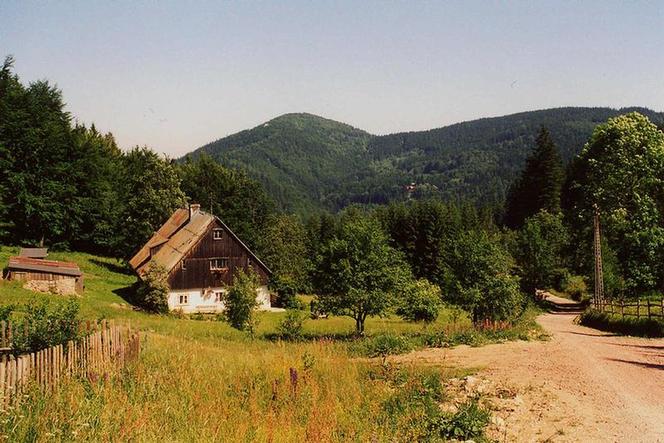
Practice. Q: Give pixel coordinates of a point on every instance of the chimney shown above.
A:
(194, 208)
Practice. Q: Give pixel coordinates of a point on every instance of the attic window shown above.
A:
(217, 264)
(183, 265)
(217, 234)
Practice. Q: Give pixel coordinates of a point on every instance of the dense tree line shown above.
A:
(68, 186)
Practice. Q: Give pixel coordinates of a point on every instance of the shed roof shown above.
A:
(176, 237)
(33, 252)
(47, 266)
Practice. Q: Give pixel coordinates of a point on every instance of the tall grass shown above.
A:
(201, 380)
(236, 392)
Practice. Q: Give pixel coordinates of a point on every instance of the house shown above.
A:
(46, 275)
(201, 255)
(33, 252)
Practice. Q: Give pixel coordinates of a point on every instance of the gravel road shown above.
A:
(582, 385)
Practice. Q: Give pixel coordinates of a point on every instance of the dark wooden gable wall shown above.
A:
(197, 274)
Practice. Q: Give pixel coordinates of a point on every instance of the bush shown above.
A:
(413, 410)
(241, 301)
(48, 324)
(290, 327)
(627, 326)
(286, 292)
(576, 287)
(153, 289)
(6, 312)
(420, 301)
(467, 423)
(383, 345)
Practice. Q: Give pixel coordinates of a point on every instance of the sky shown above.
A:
(177, 75)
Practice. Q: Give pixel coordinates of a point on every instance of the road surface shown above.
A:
(582, 385)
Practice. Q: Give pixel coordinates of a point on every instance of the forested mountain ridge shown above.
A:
(308, 162)
(299, 158)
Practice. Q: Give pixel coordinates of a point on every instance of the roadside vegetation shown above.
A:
(606, 321)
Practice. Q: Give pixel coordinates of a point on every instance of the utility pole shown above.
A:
(598, 298)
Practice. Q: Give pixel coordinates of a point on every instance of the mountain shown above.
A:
(299, 158)
(307, 162)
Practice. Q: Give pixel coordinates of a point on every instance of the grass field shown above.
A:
(203, 380)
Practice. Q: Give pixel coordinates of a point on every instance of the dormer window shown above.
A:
(217, 234)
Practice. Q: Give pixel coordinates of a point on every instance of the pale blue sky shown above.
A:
(175, 75)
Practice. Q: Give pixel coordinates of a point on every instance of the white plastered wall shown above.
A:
(204, 300)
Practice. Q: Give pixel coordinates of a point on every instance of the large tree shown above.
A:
(283, 247)
(478, 275)
(541, 245)
(150, 194)
(35, 151)
(538, 187)
(358, 274)
(621, 171)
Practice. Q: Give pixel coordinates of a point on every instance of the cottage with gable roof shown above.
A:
(201, 255)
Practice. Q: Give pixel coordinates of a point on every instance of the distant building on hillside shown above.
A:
(201, 255)
(46, 275)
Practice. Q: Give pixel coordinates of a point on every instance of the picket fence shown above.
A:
(105, 347)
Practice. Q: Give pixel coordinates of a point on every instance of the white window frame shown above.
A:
(183, 299)
(218, 296)
(217, 234)
(183, 265)
(216, 264)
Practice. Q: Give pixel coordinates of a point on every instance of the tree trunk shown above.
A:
(359, 325)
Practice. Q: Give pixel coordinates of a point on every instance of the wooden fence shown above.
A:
(105, 348)
(640, 308)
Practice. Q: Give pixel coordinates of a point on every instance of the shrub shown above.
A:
(241, 301)
(286, 292)
(153, 289)
(413, 410)
(467, 423)
(420, 301)
(290, 327)
(48, 324)
(576, 287)
(383, 345)
(6, 312)
(627, 326)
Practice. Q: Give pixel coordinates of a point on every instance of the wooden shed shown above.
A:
(33, 252)
(46, 275)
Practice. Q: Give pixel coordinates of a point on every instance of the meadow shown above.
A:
(202, 380)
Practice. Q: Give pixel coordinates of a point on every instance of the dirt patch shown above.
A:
(582, 385)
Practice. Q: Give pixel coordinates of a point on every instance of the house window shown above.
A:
(218, 263)
(217, 234)
(218, 296)
(183, 265)
(184, 299)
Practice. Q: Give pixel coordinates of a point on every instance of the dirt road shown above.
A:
(582, 385)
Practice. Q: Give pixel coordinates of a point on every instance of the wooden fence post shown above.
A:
(649, 317)
(638, 308)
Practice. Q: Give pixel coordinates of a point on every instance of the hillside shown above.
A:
(308, 162)
(299, 158)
